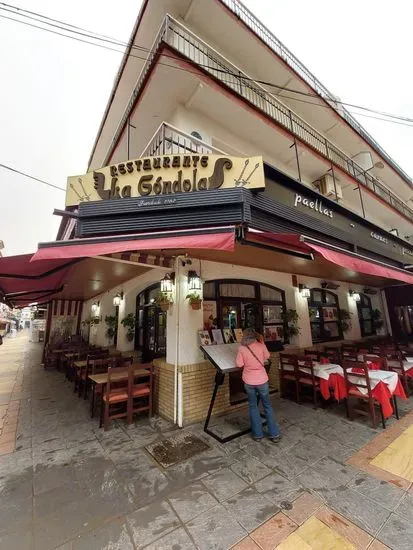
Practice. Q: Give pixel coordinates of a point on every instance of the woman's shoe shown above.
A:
(275, 439)
(257, 438)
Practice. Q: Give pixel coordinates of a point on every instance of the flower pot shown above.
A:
(164, 306)
(196, 305)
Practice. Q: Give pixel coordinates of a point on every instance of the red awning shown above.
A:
(355, 263)
(76, 249)
(24, 282)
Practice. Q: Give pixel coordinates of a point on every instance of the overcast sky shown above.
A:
(54, 90)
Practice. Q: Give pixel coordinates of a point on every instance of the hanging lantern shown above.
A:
(167, 282)
(117, 299)
(194, 281)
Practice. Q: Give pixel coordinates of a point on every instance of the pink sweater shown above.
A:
(254, 372)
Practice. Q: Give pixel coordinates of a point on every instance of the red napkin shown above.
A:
(373, 366)
(357, 369)
(324, 361)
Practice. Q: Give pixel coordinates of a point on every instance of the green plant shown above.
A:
(110, 321)
(291, 318)
(129, 323)
(345, 320)
(193, 297)
(86, 322)
(95, 320)
(376, 319)
(162, 298)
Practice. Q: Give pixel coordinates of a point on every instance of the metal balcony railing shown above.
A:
(169, 140)
(282, 51)
(178, 37)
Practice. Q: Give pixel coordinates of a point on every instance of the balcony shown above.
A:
(282, 51)
(168, 140)
(179, 38)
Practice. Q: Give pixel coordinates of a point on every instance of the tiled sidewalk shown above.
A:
(70, 486)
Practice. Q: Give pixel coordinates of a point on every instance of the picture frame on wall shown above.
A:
(238, 333)
(205, 338)
(271, 333)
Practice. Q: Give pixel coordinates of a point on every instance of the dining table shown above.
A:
(100, 380)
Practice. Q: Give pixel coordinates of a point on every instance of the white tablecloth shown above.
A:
(376, 376)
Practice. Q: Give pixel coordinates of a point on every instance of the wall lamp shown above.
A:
(167, 282)
(95, 306)
(117, 299)
(304, 291)
(355, 295)
(194, 281)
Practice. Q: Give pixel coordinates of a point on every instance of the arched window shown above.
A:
(324, 316)
(150, 327)
(365, 313)
(239, 304)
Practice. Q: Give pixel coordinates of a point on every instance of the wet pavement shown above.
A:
(66, 484)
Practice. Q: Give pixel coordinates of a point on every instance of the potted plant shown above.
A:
(194, 300)
(95, 320)
(110, 321)
(162, 300)
(376, 320)
(345, 320)
(129, 323)
(291, 318)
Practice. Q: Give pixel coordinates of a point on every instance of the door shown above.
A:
(153, 333)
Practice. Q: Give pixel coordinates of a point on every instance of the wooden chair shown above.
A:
(353, 391)
(81, 376)
(395, 363)
(307, 379)
(314, 354)
(288, 373)
(140, 391)
(115, 400)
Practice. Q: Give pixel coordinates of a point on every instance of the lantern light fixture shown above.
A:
(194, 281)
(117, 299)
(355, 295)
(95, 306)
(304, 290)
(167, 282)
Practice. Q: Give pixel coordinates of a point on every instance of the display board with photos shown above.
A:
(218, 337)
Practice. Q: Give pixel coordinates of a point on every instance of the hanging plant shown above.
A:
(95, 320)
(376, 319)
(291, 318)
(162, 300)
(129, 323)
(194, 300)
(110, 321)
(345, 320)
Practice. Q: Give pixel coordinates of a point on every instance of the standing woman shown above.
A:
(251, 356)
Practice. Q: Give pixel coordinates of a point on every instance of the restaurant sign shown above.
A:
(165, 175)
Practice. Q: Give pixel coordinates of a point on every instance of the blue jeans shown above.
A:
(262, 391)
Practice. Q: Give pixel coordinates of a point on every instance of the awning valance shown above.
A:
(99, 247)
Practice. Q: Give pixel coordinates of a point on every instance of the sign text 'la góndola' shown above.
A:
(165, 176)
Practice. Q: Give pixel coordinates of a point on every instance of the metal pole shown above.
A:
(334, 181)
(296, 158)
(128, 139)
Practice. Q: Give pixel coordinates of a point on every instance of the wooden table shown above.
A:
(101, 380)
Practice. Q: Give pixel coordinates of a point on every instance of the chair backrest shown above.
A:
(126, 361)
(352, 356)
(288, 363)
(99, 366)
(139, 378)
(306, 362)
(122, 383)
(362, 373)
(333, 354)
(314, 354)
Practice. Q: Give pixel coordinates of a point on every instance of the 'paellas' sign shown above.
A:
(166, 175)
(316, 205)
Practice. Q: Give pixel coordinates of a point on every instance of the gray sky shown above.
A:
(54, 90)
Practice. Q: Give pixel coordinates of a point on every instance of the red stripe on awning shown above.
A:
(359, 265)
(211, 241)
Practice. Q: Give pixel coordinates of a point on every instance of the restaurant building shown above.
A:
(211, 176)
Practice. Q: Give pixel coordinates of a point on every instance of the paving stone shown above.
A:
(113, 536)
(224, 484)
(364, 512)
(151, 523)
(46, 478)
(48, 502)
(405, 507)
(149, 486)
(278, 489)
(191, 501)
(20, 537)
(250, 469)
(385, 494)
(397, 533)
(215, 529)
(250, 508)
(274, 531)
(302, 508)
(176, 540)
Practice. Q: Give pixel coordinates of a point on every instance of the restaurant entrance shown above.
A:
(150, 325)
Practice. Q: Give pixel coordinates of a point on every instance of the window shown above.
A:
(324, 316)
(241, 304)
(365, 314)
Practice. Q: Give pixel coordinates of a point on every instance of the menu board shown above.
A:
(222, 356)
